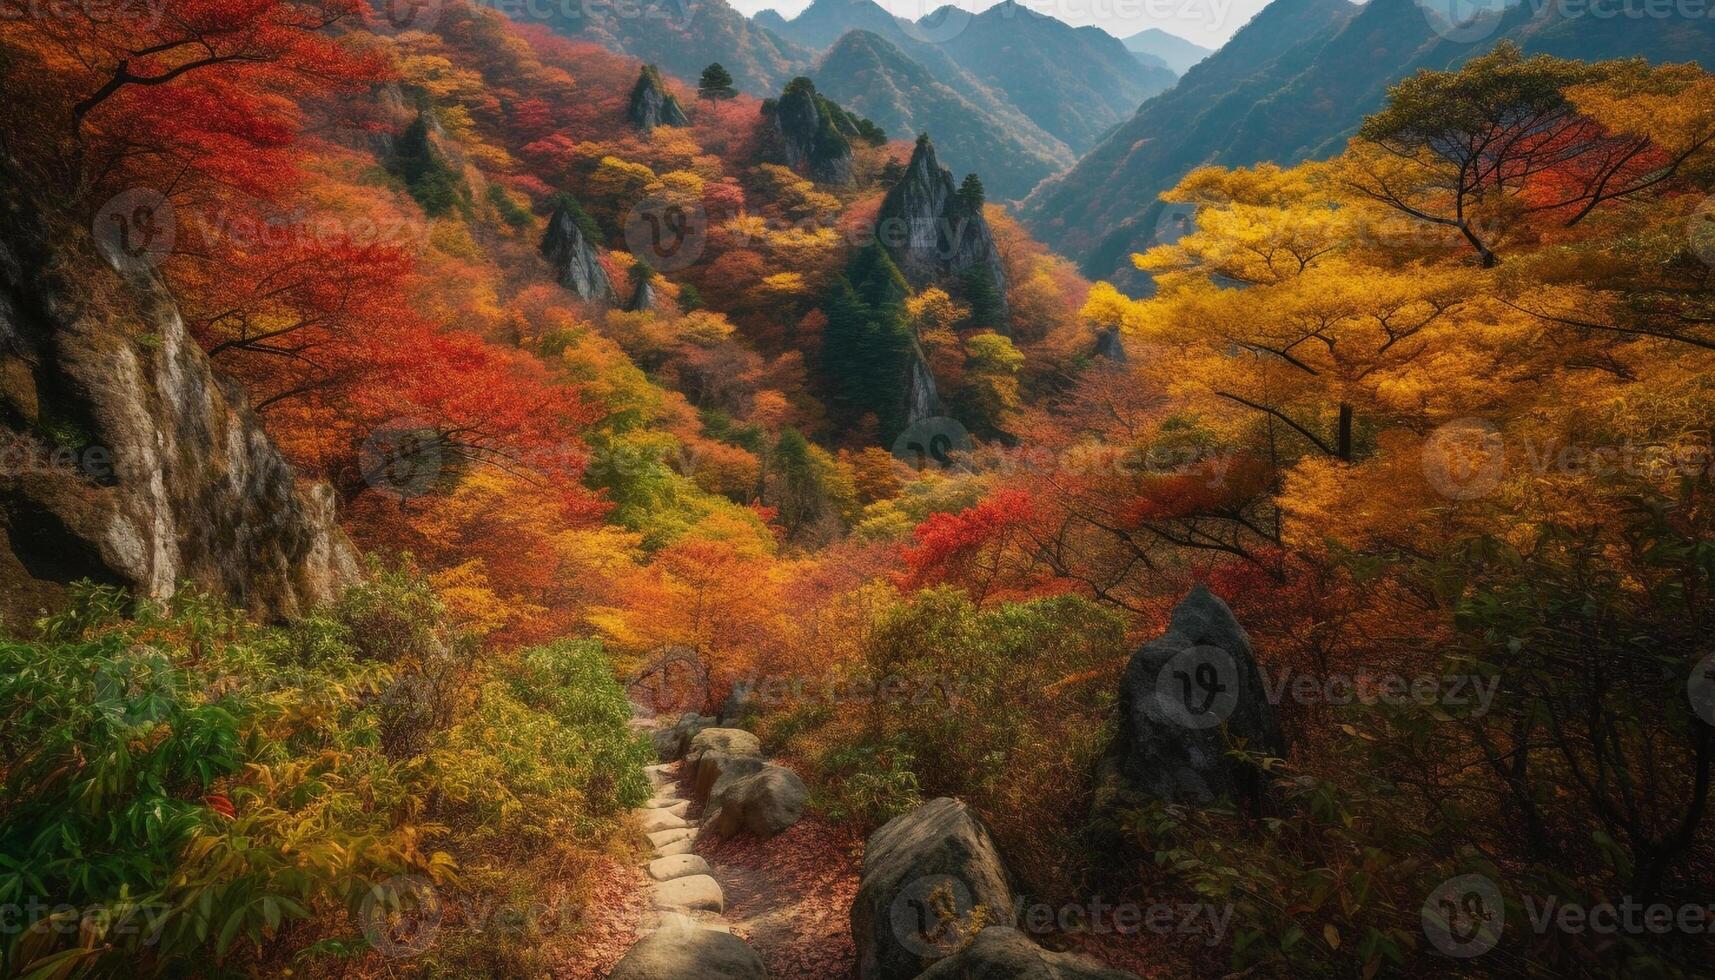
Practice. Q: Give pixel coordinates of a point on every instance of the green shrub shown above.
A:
(189, 784)
(1005, 708)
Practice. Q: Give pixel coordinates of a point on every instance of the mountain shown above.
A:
(1071, 84)
(1074, 82)
(870, 75)
(684, 36)
(1171, 50)
(824, 21)
(1104, 208)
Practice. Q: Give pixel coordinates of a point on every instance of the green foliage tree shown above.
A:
(978, 290)
(586, 224)
(426, 174)
(866, 346)
(970, 194)
(716, 84)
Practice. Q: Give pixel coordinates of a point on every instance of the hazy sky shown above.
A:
(1206, 22)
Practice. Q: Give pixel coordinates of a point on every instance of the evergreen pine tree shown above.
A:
(426, 175)
(580, 217)
(970, 194)
(689, 298)
(866, 345)
(716, 83)
(978, 290)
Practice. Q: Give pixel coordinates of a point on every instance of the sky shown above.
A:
(1206, 22)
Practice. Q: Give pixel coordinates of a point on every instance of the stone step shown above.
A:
(669, 835)
(692, 892)
(664, 819)
(675, 848)
(693, 920)
(678, 866)
(665, 800)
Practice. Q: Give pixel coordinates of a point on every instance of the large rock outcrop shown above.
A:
(1004, 953)
(938, 236)
(1185, 696)
(815, 134)
(931, 878)
(651, 104)
(569, 250)
(130, 462)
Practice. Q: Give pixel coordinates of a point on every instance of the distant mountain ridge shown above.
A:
(1294, 84)
(871, 75)
(1170, 50)
(684, 36)
(1074, 82)
(1017, 91)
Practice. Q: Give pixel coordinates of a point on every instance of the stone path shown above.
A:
(684, 883)
(685, 894)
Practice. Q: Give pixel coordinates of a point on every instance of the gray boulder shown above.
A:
(672, 742)
(717, 767)
(761, 804)
(1004, 953)
(931, 878)
(684, 952)
(732, 741)
(1184, 697)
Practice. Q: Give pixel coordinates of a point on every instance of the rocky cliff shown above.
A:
(127, 460)
(567, 247)
(933, 234)
(651, 104)
(815, 135)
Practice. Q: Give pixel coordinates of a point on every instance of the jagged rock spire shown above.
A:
(651, 104)
(814, 133)
(573, 256)
(938, 236)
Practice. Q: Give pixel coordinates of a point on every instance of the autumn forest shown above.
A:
(663, 493)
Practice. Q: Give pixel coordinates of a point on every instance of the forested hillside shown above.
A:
(477, 503)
